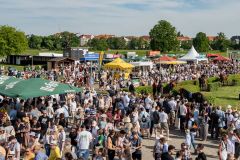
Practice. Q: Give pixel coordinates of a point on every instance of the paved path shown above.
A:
(177, 138)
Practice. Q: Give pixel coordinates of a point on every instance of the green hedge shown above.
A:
(213, 86)
(141, 89)
(213, 79)
(144, 89)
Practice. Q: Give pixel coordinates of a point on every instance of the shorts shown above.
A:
(164, 126)
(145, 125)
(137, 156)
(156, 126)
(172, 114)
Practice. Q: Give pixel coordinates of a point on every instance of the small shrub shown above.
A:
(213, 86)
(235, 82)
(213, 79)
(211, 99)
(144, 90)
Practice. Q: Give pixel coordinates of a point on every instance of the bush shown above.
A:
(213, 79)
(235, 82)
(144, 90)
(210, 99)
(213, 86)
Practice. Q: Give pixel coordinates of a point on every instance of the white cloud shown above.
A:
(120, 17)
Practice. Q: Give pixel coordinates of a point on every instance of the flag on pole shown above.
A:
(101, 57)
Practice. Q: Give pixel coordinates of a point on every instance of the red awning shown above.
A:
(221, 58)
(165, 58)
(212, 55)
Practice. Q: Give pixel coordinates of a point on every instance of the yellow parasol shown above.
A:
(173, 62)
(118, 63)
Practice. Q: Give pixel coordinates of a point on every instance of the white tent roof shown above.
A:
(191, 55)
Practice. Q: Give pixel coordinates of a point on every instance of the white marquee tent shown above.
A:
(193, 56)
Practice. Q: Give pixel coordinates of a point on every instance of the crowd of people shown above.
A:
(113, 125)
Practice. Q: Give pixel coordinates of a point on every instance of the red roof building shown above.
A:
(184, 38)
(211, 38)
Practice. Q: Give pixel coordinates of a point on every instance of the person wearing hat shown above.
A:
(127, 123)
(136, 142)
(61, 138)
(14, 148)
(103, 121)
(55, 152)
(33, 140)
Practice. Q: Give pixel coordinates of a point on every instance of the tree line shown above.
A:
(163, 37)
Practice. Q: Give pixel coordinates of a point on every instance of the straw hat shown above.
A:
(126, 120)
(229, 107)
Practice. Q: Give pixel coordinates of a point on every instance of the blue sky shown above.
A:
(121, 17)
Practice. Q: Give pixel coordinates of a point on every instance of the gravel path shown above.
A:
(176, 138)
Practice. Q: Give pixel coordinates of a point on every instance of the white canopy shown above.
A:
(192, 55)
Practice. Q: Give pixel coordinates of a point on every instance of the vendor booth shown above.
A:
(119, 66)
(143, 66)
(193, 57)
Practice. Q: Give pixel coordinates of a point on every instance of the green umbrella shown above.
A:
(6, 82)
(36, 87)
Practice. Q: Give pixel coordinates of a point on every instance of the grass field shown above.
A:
(225, 96)
(36, 51)
(138, 52)
(17, 67)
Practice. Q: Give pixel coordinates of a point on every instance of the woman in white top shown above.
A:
(61, 138)
(222, 150)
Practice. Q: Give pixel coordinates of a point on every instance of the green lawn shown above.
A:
(17, 67)
(225, 96)
(36, 51)
(138, 52)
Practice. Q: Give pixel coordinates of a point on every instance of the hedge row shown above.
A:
(213, 86)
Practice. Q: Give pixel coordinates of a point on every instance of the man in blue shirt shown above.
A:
(39, 154)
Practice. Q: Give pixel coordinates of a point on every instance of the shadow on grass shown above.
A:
(228, 98)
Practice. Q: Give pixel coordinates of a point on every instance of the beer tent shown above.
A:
(34, 87)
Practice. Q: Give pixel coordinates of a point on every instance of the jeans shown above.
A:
(83, 153)
(192, 134)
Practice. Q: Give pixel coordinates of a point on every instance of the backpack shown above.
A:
(156, 117)
(144, 119)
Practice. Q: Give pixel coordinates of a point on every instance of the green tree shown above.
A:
(201, 42)
(34, 41)
(116, 43)
(12, 41)
(69, 39)
(179, 34)
(138, 43)
(48, 43)
(163, 37)
(133, 44)
(186, 45)
(221, 43)
(98, 44)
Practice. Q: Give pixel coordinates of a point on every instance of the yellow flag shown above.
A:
(101, 57)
